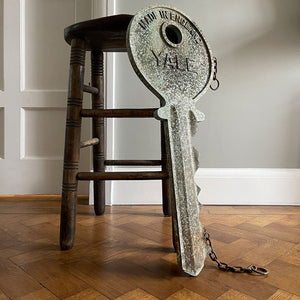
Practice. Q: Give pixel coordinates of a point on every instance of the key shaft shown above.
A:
(188, 229)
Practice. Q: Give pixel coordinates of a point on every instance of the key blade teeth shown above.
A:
(196, 116)
(199, 116)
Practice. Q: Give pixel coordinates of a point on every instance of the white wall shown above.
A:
(252, 121)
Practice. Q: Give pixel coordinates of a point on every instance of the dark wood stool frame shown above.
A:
(101, 35)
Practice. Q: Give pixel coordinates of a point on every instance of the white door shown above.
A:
(34, 62)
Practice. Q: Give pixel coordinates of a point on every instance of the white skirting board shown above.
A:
(249, 186)
(218, 187)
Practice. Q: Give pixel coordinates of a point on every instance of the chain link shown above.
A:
(217, 83)
(236, 269)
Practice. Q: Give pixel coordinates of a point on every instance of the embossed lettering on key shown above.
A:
(172, 58)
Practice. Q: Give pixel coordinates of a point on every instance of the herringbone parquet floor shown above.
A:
(127, 253)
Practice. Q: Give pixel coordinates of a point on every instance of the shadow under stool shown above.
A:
(106, 34)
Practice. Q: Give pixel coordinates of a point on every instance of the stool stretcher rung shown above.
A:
(132, 162)
(118, 113)
(91, 142)
(90, 89)
(122, 175)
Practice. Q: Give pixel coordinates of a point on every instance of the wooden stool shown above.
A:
(101, 35)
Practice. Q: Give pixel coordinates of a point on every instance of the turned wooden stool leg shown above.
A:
(165, 182)
(98, 130)
(72, 145)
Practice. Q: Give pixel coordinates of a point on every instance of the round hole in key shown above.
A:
(173, 34)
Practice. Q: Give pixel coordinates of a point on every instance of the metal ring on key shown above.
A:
(217, 85)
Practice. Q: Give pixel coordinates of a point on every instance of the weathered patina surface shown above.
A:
(172, 58)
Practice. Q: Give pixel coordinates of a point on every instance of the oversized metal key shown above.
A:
(172, 58)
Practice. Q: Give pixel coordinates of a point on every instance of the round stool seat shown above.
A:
(107, 33)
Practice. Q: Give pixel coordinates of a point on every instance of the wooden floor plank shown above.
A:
(38, 295)
(88, 294)
(127, 253)
(274, 230)
(55, 278)
(14, 282)
(210, 289)
(101, 278)
(137, 294)
(186, 294)
(293, 256)
(232, 294)
(285, 276)
(3, 296)
(238, 248)
(144, 231)
(280, 295)
(265, 253)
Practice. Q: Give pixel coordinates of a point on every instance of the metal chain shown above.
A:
(217, 83)
(236, 269)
